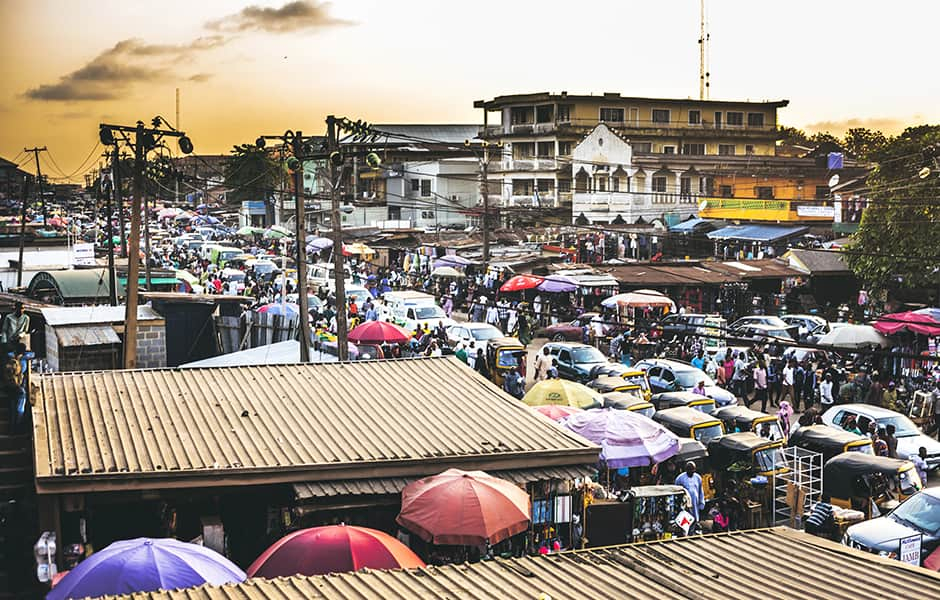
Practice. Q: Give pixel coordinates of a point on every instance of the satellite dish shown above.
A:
(924, 173)
(834, 180)
(702, 205)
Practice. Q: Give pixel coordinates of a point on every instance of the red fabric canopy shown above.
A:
(911, 321)
(333, 549)
(521, 282)
(378, 332)
(464, 508)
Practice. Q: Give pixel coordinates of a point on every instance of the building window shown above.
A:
(755, 119)
(425, 187)
(694, 149)
(522, 187)
(521, 115)
(685, 187)
(735, 119)
(725, 149)
(660, 115)
(615, 184)
(523, 150)
(669, 149)
(659, 184)
(642, 147)
(601, 184)
(564, 113)
(415, 185)
(726, 191)
(695, 117)
(581, 183)
(564, 148)
(765, 192)
(611, 115)
(748, 149)
(564, 186)
(545, 149)
(544, 113)
(822, 192)
(545, 186)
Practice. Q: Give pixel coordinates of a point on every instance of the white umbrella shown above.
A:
(446, 272)
(854, 337)
(640, 298)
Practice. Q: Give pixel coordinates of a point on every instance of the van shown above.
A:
(205, 251)
(413, 309)
(222, 254)
(322, 276)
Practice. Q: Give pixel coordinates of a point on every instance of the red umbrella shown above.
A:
(333, 549)
(464, 508)
(379, 332)
(521, 282)
(912, 321)
(556, 412)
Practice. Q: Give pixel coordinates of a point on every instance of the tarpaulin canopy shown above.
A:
(757, 233)
(915, 322)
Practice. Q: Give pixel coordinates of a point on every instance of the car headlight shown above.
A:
(887, 554)
(846, 540)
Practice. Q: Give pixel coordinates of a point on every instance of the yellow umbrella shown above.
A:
(562, 392)
(358, 248)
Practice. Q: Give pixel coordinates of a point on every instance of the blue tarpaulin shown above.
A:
(687, 226)
(757, 233)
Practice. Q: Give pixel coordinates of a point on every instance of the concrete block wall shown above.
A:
(151, 345)
(52, 348)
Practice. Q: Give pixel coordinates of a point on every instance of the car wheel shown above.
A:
(558, 337)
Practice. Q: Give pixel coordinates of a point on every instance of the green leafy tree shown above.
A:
(863, 143)
(898, 241)
(250, 173)
(793, 136)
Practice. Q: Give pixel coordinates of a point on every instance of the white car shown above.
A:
(480, 333)
(910, 438)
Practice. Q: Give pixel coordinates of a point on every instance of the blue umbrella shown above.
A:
(145, 565)
(288, 309)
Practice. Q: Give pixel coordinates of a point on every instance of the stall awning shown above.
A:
(394, 485)
(756, 233)
(689, 225)
(87, 335)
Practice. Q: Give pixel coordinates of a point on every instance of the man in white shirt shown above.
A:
(825, 390)
(788, 381)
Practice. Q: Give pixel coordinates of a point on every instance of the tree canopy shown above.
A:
(898, 240)
(250, 174)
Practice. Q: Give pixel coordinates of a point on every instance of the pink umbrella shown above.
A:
(557, 412)
(626, 438)
(915, 322)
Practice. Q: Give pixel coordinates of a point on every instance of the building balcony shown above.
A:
(545, 200)
(752, 209)
(704, 129)
(527, 164)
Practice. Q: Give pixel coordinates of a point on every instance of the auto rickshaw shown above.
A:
(631, 399)
(610, 383)
(830, 441)
(688, 422)
(742, 418)
(502, 355)
(631, 375)
(764, 456)
(666, 400)
(867, 483)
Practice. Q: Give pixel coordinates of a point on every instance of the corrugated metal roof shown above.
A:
(761, 564)
(394, 485)
(286, 423)
(86, 335)
(99, 313)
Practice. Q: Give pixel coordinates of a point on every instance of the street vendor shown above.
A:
(692, 482)
(15, 327)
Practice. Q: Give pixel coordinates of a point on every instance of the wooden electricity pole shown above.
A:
(336, 229)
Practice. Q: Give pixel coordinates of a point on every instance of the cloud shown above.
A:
(294, 16)
(109, 75)
(199, 77)
(887, 125)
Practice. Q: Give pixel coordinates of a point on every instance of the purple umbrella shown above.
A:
(626, 438)
(319, 243)
(145, 565)
(557, 283)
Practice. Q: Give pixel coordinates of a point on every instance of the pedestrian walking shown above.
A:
(760, 384)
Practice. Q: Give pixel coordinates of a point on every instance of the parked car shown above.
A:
(771, 320)
(808, 324)
(478, 332)
(682, 325)
(919, 515)
(674, 376)
(571, 331)
(910, 438)
(576, 362)
(763, 333)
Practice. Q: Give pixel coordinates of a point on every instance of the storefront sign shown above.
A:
(684, 520)
(816, 211)
(83, 254)
(910, 549)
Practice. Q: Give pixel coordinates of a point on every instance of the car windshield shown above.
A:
(705, 407)
(921, 511)
(903, 426)
(770, 430)
(508, 359)
(707, 433)
(485, 333)
(689, 378)
(769, 459)
(429, 312)
(587, 354)
(639, 380)
(862, 449)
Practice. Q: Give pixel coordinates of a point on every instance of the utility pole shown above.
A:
(109, 210)
(486, 192)
(336, 227)
(703, 74)
(147, 203)
(42, 196)
(23, 205)
(300, 240)
(118, 197)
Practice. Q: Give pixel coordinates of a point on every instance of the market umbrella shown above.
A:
(557, 283)
(319, 243)
(378, 332)
(168, 213)
(288, 309)
(518, 283)
(145, 565)
(183, 216)
(933, 313)
(639, 298)
(248, 231)
(915, 322)
(564, 393)
(276, 232)
(357, 249)
(854, 337)
(446, 272)
(464, 508)
(626, 438)
(333, 549)
(452, 260)
(556, 412)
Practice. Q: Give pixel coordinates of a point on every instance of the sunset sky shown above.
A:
(246, 68)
